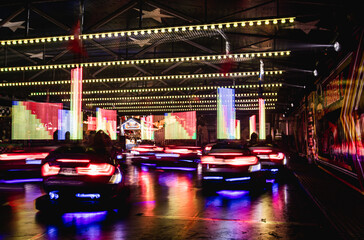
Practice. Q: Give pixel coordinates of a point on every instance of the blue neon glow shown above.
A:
(145, 169)
(213, 177)
(185, 160)
(53, 195)
(149, 164)
(232, 193)
(119, 157)
(33, 161)
(274, 170)
(22, 180)
(237, 179)
(270, 180)
(177, 168)
(84, 218)
(88, 195)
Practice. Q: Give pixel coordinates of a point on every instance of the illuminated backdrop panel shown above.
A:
(64, 123)
(106, 121)
(34, 121)
(147, 129)
(225, 113)
(180, 125)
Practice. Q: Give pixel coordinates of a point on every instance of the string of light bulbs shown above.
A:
(193, 109)
(235, 56)
(175, 102)
(145, 78)
(185, 106)
(266, 94)
(116, 34)
(138, 90)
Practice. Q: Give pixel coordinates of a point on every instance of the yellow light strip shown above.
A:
(186, 109)
(269, 94)
(159, 89)
(234, 56)
(183, 106)
(146, 78)
(176, 102)
(116, 34)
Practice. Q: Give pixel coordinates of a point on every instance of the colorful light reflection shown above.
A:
(232, 193)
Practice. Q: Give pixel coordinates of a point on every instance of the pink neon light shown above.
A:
(158, 149)
(238, 161)
(208, 160)
(48, 170)
(76, 103)
(74, 160)
(179, 150)
(261, 119)
(103, 169)
(91, 123)
(140, 149)
(279, 156)
(226, 154)
(262, 151)
(241, 161)
(22, 156)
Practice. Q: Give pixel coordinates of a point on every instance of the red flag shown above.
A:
(75, 44)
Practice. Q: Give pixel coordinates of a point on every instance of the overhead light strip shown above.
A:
(235, 56)
(266, 94)
(183, 106)
(145, 78)
(138, 90)
(175, 102)
(176, 29)
(193, 109)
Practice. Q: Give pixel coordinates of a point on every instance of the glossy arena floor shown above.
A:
(171, 205)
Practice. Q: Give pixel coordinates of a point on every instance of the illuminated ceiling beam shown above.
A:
(214, 58)
(183, 106)
(186, 109)
(266, 94)
(147, 78)
(139, 103)
(146, 90)
(116, 34)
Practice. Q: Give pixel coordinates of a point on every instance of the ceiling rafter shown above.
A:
(113, 15)
(50, 19)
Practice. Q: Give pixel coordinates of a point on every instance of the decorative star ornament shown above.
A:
(39, 55)
(307, 27)
(155, 14)
(141, 43)
(13, 26)
(255, 47)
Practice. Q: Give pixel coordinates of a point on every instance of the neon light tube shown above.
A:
(76, 104)
(213, 177)
(261, 119)
(237, 179)
(252, 125)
